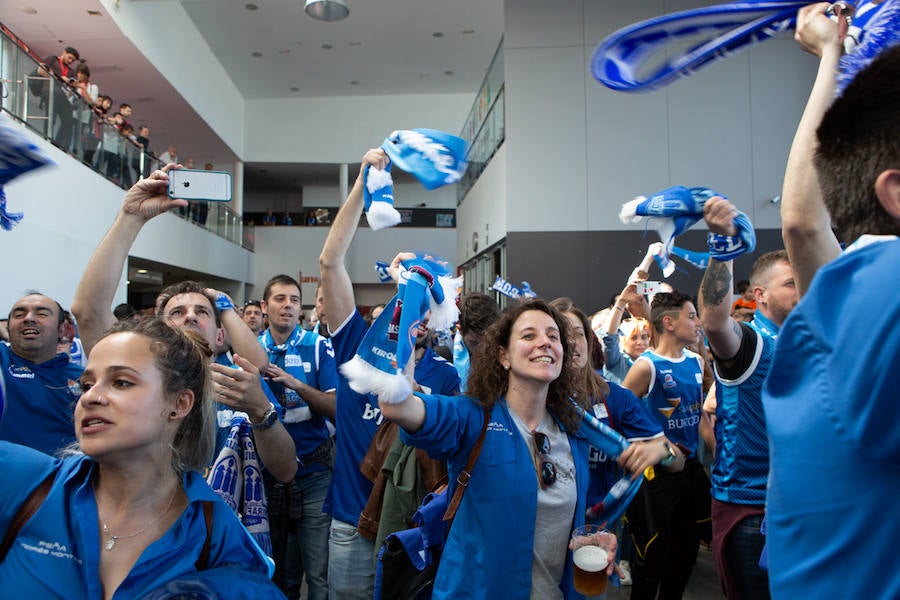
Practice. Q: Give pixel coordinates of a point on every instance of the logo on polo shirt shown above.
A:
(21, 372)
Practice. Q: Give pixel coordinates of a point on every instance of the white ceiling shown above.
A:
(385, 47)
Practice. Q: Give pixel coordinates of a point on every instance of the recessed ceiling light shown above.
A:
(468, 31)
(299, 43)
(295, 89)
(251, 6)
(354, 82)
(437, 34)
(29, 11)
(448, 72)
(256, 54)
(94, 13)
(327, 46)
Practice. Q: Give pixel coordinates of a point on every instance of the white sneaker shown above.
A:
(625, 578)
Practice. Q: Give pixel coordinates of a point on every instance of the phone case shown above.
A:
(192, 184)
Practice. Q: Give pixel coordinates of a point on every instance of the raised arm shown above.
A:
(97, 288)
(723, 332)
(337, 289)
(805, 223)
(242, 339)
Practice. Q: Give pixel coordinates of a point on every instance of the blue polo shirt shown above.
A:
(40, 401)
(675, 396)
(57, 553)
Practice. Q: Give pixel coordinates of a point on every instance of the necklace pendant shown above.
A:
(110, 544)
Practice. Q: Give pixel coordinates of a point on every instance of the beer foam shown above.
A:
(590, 558)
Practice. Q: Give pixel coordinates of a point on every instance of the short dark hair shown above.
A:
(253, 303)
(477, 311)
(281, 279)
(124, 311)
(124, 105)
(742, 285)
(859, 138)
(83, 68)
(664, 304)
(72, 51)
(764, 263)
(185, 287)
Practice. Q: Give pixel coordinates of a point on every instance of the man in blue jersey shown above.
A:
(351, 568)
(743, 356)
(670, 515)
(831, 396)
(187, 305)
(41, 384)
(303, 376)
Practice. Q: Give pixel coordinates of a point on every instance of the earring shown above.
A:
(506, 367)
(173, 414)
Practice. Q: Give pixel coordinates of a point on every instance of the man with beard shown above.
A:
(41, 384)
(188, 305)
(303, 376)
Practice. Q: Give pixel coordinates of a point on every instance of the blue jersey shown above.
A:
(741, 469)
(309, 358)
(40, 401)
(57, 553)
(831, 413)
(358, 416)
(625, 413)
(675, 396)
(435, 375)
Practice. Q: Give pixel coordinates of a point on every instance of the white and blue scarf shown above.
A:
(17, 156)
(237, 478)
(621, 61)
(378, 366)
(435, 158)
(510, 291)
(675, 210)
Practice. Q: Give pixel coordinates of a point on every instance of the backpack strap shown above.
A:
(203, 560)
(462, 480)
(31, 505)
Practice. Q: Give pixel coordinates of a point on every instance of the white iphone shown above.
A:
(190, 184)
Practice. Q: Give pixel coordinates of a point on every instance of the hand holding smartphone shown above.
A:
(196, 184)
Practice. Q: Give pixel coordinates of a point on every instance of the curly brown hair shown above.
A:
(488, 380)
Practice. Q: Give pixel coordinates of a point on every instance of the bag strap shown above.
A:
(462, 480)
(203, 561)
(31, 505)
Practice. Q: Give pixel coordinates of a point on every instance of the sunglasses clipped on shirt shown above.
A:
(546, 470)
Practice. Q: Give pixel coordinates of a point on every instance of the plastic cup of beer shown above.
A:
(590, 553)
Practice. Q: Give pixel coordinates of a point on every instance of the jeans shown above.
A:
(351, 564)
(304, 540)
(742, 550)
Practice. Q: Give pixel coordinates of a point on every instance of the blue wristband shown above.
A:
(223, 302)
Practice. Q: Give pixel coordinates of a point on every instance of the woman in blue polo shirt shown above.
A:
(511, 533)
(127, 513)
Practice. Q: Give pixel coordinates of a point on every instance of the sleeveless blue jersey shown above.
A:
(831, 404)
(675, 396)
(741, 469)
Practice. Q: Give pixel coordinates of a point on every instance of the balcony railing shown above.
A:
(55, 110)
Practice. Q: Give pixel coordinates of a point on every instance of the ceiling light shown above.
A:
(251, 6)
(295, 89)
(327, 10)
(448, 72)
(29, 11)
(437, 34)
(94, 13)
(256, 54)
(354, 82)
(468, 31)
(327, 46)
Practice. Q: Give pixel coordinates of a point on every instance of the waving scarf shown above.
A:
(378, 366)
(434, 157)
(621, 62)
(17, 156)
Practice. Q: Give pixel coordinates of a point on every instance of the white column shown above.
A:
(344, 190)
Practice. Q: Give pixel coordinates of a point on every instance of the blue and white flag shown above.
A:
(683, 42)
(17, 156)
(610, 442)
(510, 291)
(425, 287)
(434, 157)
(381, 268)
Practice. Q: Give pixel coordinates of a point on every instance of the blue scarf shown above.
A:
(237, 478)
(378, 365)
(434, 157)
(17, 156)
(608, 441)
(677, 209)
(764, 325)
(719, 31)
(510, 291)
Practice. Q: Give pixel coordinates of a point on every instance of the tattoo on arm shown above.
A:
(716, 285)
